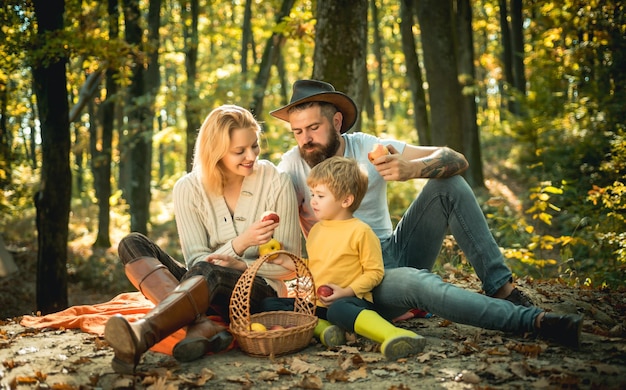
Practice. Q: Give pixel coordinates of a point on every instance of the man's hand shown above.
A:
(420, 162)
(394, 167)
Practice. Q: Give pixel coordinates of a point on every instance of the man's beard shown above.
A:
(321, 152)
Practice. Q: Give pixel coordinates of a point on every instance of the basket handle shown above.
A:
(305, 295)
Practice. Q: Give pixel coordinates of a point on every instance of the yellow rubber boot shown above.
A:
(330, 335)
(395, 342)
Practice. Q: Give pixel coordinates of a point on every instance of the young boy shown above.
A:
(344, 254)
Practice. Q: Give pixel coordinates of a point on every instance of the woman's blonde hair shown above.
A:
(213, 143)
(343, 176)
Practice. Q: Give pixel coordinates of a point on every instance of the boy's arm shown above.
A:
(371, 258)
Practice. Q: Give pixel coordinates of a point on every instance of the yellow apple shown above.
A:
(272, 245)
(377, 151)
(258, 327)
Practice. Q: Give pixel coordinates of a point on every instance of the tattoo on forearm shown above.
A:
(444, 164)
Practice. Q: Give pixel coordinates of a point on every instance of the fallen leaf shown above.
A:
(520, 369)
(310, 382)
(267, 375)
(357, 374)
(337, 376)
(300, 366)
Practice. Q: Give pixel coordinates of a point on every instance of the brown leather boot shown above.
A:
(151, 278)
(187, 302)
(155, 282)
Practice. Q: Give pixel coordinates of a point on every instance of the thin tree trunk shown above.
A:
(53, 198)
(246, 35)
(6, 156)
(192, 108)
(414, 73)
(507, 58)
(517, 41)
(471, 136)
(144, 84)
(101, 157)
(377, 49)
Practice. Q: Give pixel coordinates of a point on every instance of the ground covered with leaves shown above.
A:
(456, 356)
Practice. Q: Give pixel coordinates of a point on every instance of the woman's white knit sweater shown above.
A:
(206, 226)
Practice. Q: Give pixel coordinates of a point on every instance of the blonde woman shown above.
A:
(218, 208)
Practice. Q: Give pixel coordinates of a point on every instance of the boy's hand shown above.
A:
(338, 292)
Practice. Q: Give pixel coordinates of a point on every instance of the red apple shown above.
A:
(270, 215)
(324, 291)
(377, 151)
(276, 327)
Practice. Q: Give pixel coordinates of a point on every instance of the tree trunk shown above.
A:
(471, 136)
(144, 83)
(414, 73)
(192, 108)
(377, 49)
(517, 41)
(53, 199)
(341, 47)
(101, 157)
(507, 58)
(435, 19)
(246, 35)
(6, 156)
(270, 57)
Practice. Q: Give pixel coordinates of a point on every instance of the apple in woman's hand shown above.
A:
(324, 291)
(377, 151)
(272, 245)
(270, 215)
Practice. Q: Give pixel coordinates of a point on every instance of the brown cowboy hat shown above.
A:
(319, 91)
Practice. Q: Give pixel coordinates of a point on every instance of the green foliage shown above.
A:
(571, 134)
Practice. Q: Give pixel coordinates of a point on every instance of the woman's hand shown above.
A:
(338, 292)
(227, 261)
(258, 233)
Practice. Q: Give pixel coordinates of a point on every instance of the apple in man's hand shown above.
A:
(270, 215)
(377, 151)
(324, 291)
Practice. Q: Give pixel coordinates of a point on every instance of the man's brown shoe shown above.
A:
(564, 329)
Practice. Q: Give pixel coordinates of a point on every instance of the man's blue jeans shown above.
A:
(412, 250)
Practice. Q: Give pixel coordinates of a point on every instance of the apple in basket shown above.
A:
(377, 151)
(324, 291)
(257, 327)
(276, 327)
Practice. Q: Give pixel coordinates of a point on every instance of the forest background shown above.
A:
(100, 103)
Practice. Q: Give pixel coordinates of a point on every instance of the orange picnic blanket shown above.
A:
(92, 318)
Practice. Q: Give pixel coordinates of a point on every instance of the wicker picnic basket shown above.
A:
(297, 325)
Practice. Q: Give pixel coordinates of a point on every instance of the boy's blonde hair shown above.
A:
(213, 143)
(343, 176)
